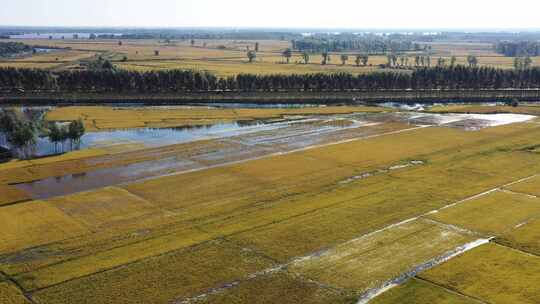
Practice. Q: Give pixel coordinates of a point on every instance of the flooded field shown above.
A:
(293, 204)
(237, 141)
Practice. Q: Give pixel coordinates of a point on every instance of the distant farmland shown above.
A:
(229, 57)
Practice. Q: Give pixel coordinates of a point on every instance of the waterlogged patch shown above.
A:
(371, 261)
(468, 121)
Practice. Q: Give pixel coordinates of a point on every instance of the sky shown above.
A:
(411, 14)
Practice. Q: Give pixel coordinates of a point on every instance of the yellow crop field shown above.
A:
(97, 261)
(278, 287)
(368, 262)
(241, 65)
(301, 227)
(10, 195)
(491, 272)
(59, 57)
(28, 65)
(223, 57)
(229, 57)
(97, 118)
(363, 206)
(525, 237)
(35, 223)
(161, 279)
(531, 186)
(492, 214)
(416, 291)
(100, 209)
(522, 109)
(10, 294)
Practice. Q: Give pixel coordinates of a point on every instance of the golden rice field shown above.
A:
(337, 222)
(228, 57)
(10, 294)
(222, 57)
(104, 118)
(521, 109)
(492, 273)
(417, 291)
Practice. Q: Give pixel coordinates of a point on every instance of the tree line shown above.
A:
(518, 48)
(8, 49)
(177, 81)
(369, 44)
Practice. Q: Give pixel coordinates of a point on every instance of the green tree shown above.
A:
(392, 59)
(325, 58)
(472, 61)
(517, 63)
(287, 53)
(75, 131)
(344, 58)
(55, 135)
(357, 59)
(22, 138)
(402, 60)
(417, 60)
(527, 62)
(252, 55)
(453, 61)
(305, 57)
(8, 122)
(365, 59)
(441, 62)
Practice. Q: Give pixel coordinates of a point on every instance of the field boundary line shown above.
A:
(371, 233)
(370, 294)
(519, 193)
(280, 266)
(26, 295)
(190, 247)
(482, 301)
(495, 242)
(265, 225)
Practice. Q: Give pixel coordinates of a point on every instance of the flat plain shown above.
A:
(447, 214)
(228, 57)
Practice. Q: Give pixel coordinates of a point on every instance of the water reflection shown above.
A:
(153, 137)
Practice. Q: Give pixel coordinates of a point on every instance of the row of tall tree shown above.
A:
(369, 44)
(171, 81)
(8, 49)
(518, 48)
(72, 132)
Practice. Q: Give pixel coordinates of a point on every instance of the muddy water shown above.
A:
(56, 186)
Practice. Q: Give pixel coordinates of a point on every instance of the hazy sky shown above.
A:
(276, 13)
